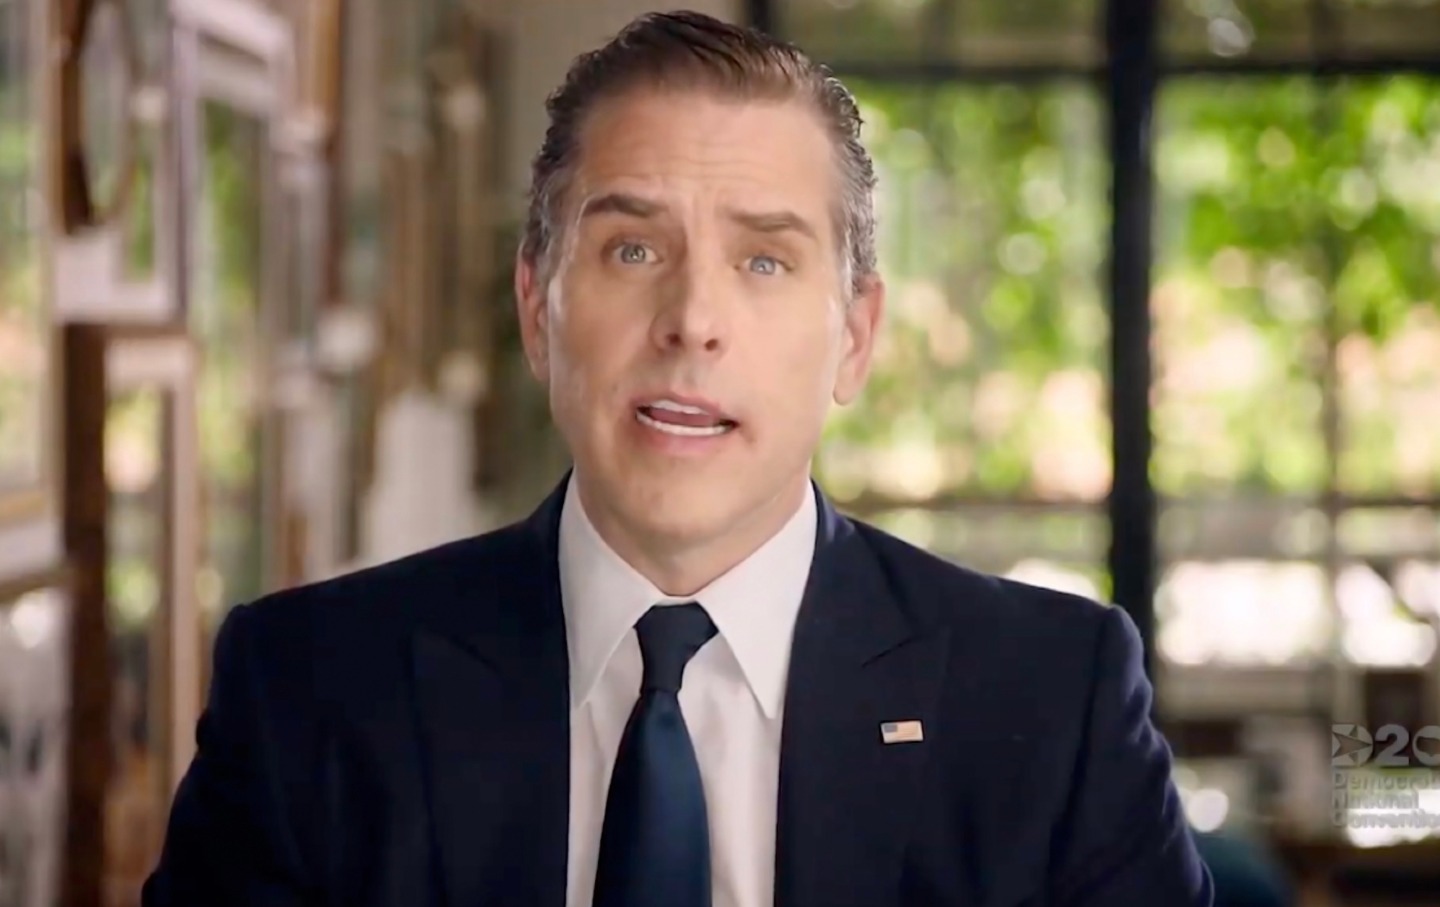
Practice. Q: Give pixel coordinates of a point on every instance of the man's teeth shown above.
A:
(686, 431)
(674, 407)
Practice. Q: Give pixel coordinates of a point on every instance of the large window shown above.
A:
(1297, 331)
(1236, 208)
(983, 433)
(1255, 186)
(1293, 303)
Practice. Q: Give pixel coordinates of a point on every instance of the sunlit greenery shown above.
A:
(134, 454)
(988, 377)
(1296, 217)
(1297, 246)
(23, 341)
(1297, 336)
(227, 317)
(1289, 211)
(139, 215)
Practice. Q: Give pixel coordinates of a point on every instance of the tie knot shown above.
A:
(670, 635)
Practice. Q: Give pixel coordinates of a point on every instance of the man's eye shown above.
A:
(765, 265)
(631, 253)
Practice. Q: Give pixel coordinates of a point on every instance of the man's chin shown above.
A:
(682, 517)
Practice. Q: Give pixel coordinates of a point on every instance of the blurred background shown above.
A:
(1164, 330)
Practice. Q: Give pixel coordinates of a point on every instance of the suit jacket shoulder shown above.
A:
(347, 625)
(1047, 760)
(1032, 634)
(1028, 665)
(305, 773)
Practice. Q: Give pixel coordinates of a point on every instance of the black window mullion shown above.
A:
(761, 14)
(1130, 83)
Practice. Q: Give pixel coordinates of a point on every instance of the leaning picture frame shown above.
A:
(465, 255)
(95, 131)
(349, 346)
(150, 581)
(115, 183)
(162, 363)
(246, 154)
(131, 524)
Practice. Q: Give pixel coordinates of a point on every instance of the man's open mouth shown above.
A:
(683, 419)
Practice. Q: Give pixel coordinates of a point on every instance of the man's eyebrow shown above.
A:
(630, 205)
(620, 203)
(773, 222)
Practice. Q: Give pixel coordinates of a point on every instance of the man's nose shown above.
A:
(694, 314)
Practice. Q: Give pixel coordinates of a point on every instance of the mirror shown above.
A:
(107, 71)
(98, 75)
(148, 466)
(235, 72)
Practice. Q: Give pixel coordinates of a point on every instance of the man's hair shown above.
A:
(690, 51)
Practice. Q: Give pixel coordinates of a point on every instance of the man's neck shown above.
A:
(682, 567)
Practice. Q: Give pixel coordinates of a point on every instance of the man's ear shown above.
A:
(534, 315)
(862, 323)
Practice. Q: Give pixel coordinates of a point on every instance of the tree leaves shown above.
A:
(1291, 214)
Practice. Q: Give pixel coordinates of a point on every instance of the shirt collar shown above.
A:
(753, 606)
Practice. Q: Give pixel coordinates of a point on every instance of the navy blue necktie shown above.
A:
(655, 845)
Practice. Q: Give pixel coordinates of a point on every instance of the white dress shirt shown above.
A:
(731, 697)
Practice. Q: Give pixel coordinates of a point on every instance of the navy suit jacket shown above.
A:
(400, 738)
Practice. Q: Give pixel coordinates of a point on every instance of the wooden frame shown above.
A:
(459, 336)
(407, 305)
(241, 54)
(465, 344)
(308, 137)
(317, 26)
(439, 186)
(94, 279)
(79, 207)
(349, 347)
(166, 361)
(103, 363)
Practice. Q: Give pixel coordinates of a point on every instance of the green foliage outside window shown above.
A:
(1291, 216)
(227, 318)
(1299, 223)
(988, 377)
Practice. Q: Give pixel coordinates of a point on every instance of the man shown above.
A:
(685, 679)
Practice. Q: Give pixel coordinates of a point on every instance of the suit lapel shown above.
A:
(845, 795)
(491, 679)
(491, 682)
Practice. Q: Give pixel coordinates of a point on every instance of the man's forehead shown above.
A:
(696, 141)
(716, 112)
(776, 219)
(627, 194)
(746, 202)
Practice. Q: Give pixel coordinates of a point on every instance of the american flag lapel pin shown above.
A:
(902, 732)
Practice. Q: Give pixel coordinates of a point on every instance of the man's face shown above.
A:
(695, 330)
